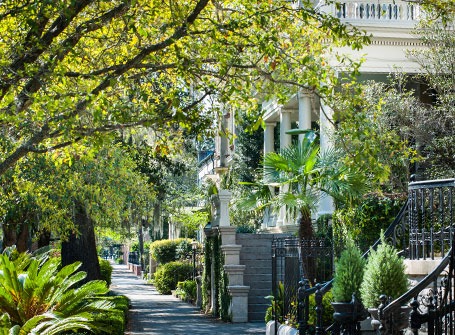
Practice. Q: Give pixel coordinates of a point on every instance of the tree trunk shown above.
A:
(44, 239)
(82, 247)
(306, 233)
(22, 238)
(16, 234)
(9, 234)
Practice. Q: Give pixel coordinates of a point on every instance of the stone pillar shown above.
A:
(225, 197)
(326, 205)
(304, 112)
(232, 267)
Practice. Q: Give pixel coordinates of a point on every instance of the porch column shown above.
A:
(269, 146)
(326, 205)
(269, 138)
(304, 111)
(285, 141)
(285, 125)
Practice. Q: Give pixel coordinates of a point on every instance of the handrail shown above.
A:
(421, 285)
(431, 183)
(388, 232)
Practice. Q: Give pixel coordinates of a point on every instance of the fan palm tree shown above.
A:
(305, 175)
(40, 297)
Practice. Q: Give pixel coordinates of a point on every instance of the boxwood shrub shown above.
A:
(106, 271)
(168, 275)
(165, 251)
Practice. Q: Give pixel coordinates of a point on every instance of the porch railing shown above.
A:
(379, 10)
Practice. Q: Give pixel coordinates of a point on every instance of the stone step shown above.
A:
(257, 300)
(258, 313)
(256, 254)
(260, 285)
(258, 263)
(254, 277)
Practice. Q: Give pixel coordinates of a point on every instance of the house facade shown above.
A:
(390, 24)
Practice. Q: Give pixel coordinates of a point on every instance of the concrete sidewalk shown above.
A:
(152, 313)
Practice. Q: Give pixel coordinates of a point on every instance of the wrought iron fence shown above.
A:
(292, 260)
(133, 257)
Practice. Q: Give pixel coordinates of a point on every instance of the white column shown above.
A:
(269, 146)
(285, 141)
(326, 205)
(304, 111)
(285, 125)
(269, 138)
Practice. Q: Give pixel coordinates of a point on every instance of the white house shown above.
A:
(390, 23)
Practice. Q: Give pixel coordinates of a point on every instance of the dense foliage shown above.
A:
(364, 220)
(168, 275)
(187, 290)
(78, 69)
(165, 251)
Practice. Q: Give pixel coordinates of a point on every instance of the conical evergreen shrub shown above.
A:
(384, 274)
(349, 269)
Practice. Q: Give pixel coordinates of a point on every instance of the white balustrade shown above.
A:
(378, 11)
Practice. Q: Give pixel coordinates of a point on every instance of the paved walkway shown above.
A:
(152, 313)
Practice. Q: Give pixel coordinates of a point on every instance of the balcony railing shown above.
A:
(378, 11)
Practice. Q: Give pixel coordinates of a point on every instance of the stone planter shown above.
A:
(399, 319)
(348, 312)
(348, 315)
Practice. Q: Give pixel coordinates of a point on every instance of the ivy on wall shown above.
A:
(214, 259)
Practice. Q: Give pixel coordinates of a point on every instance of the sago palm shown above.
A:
(42, 298)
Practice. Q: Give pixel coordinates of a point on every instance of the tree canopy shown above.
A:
(76, 69)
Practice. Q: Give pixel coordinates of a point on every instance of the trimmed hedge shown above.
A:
(168, 275)
(165, 251)
(106, 271)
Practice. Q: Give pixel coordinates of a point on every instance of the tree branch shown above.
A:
(43, 133)
(31, 55)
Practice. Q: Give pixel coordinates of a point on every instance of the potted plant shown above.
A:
(348, 278)
(384, 280)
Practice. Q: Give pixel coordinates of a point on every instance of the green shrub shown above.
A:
(106, 271)
(327, 311)
(186, 290)
(168, 275)
(165, 251)
(119, 260)
(384, 274)
(349, 270)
